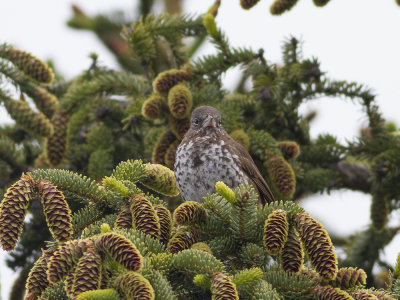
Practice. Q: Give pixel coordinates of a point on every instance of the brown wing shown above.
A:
(252, 172)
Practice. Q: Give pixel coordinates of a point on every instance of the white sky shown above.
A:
(354, 40)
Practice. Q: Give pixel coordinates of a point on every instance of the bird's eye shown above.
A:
(196, 121)
(219, 122)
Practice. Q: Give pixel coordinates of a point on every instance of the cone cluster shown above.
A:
(15, 204)
(172, 100)
(139, 213)
(286, 235)
(80, 263)
(65, 258)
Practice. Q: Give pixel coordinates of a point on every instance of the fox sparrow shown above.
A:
(208, 154)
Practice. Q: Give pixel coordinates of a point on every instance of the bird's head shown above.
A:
(206, 120)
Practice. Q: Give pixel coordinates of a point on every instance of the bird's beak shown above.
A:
(210, 122)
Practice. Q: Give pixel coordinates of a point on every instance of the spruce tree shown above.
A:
(91, 161)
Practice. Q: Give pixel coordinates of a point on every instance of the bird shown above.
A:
(207, 154)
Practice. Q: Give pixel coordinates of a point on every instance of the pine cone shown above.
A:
(281, 174)
(29, 120)
(160, 179)
(65, 258)
(189, 212)
(69, 282)
(226, 192)
(144, 216)
(247, 4)
(318, 246)
(329, 293)
(276, 231)
(363, 295)
(120, 249)
(379, 210)
(320, 2)
(47, 103)
(222, 288)
(183, 239)
(202, 247)
(290, 150)
(56, 210)
(170, 154)
(164, 217)
(56, 143)
(124, 218)
(349, 278)
(103, 294)
(37, 280)
(167, 79)
(179, 127)
(292, 253)
(162, 145)
(13, 209)
(134, 286)
(31, 66)
(87, 273)
(180, 101)
(280, 6)
(155, 107)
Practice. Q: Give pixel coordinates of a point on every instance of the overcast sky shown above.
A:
(355, 40)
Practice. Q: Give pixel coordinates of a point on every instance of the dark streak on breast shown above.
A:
(197, 161)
